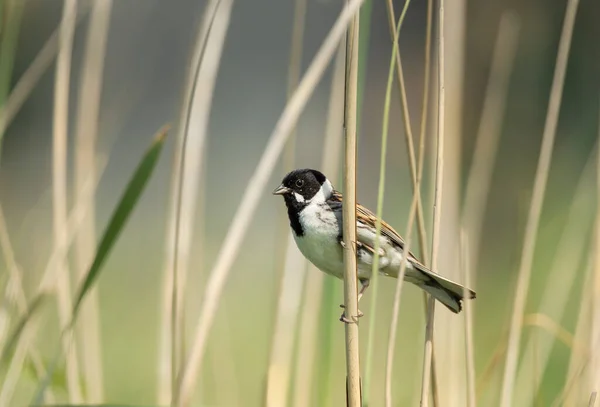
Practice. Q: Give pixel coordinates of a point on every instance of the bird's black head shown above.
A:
(300, 186)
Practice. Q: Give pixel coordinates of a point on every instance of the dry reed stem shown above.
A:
(292, 281)
(86, 133)
(449, 350)
(407, 127)
(537, 199)
(396, 307)
(250, 199)
(489, 130)
(439, 178)
(33, 73)
(416, 168)
(59, 186)
(425, 101)
(308, 341)
(468, 309)
(559, 287)
(353, 390)
(188, 166)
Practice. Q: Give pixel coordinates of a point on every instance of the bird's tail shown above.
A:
(445, 291)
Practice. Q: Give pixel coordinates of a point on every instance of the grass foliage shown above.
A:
(478, 361)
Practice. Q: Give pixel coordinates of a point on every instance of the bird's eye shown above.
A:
(299, 183)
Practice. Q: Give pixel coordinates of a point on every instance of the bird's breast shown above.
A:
(319, 243)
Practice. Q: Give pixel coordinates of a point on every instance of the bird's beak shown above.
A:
(281, 190)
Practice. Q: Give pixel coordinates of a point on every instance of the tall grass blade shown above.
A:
(537, 201)
(86, 134)
(187, 179)
(119, 218)
(439, 178)
(121, 214)
(60, 132)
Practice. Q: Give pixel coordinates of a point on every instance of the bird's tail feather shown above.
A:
(445, 291)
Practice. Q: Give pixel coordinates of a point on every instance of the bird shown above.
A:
(314, 210)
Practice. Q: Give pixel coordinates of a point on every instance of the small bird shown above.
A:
(315, 212)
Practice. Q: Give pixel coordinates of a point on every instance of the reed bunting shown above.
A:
(315, 212)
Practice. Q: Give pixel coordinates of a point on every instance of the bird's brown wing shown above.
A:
(365, 216)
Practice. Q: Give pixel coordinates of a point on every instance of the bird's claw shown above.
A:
(343, 317)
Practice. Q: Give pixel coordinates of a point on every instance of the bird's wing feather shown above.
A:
(368, 218)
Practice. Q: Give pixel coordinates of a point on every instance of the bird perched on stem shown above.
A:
(315, 212)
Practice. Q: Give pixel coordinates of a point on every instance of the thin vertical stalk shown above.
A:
(281, 358)
(468, 306)
(410, 148)
(389, 365)
(186, 181)
(439, 178)
(60, 131)
(537, 200)
(416, 168)
(249, 202)
(425, 104)
(353, 390)
(86, 134)
(381, 188)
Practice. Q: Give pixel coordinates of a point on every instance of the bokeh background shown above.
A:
(147, 54)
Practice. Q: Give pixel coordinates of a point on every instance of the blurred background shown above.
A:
(149, 45)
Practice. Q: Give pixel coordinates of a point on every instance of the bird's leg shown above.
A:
(364, 283)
